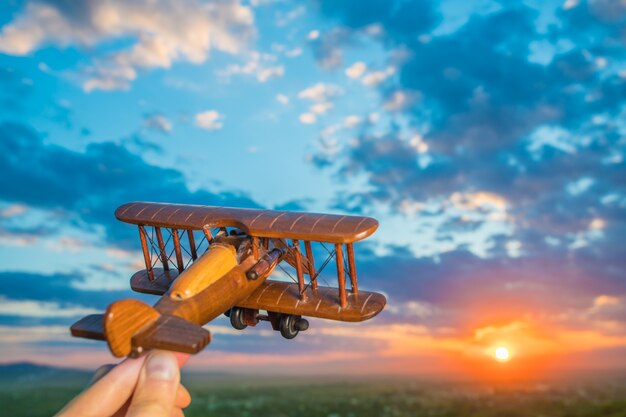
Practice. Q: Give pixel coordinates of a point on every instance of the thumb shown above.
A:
(156, 389)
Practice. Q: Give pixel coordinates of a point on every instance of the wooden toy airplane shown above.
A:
(229, 275)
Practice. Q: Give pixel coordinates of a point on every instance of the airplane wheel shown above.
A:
(289, 326)
(236, 318)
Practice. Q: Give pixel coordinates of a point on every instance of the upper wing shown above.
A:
(330, 228)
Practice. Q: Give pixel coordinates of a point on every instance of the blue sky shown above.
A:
(487, 137)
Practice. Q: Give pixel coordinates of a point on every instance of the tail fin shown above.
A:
(122, 320)
(131, 327)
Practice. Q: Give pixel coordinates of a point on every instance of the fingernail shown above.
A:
(161, 365)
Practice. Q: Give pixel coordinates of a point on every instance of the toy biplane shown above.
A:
(226, 273)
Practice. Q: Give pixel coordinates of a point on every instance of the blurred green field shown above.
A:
(44, 392)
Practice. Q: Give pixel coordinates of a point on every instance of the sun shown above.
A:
(502, 354)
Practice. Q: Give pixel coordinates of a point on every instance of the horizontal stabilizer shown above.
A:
(139, 328)
(89, 327)
(172, 333)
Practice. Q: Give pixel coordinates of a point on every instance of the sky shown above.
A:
(487, 137)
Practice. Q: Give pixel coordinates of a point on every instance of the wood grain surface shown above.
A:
(262, 223)
(323, 302)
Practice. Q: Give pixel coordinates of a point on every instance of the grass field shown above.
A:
(43, 393)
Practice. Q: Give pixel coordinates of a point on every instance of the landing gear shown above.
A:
(237, 318)
(291, 325)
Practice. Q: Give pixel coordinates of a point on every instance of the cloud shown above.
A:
(13, 210)
(490, 120)
(33, 334)
(30, 308)
(399, 100)
(320, 92)
(99, 172)
(56, 288)
(285, 18)
(262, 66)
(307, 118)
(374, 78)
(312, 35)
(162, 33)
(209, 120)
(356, 70)
(321, 96)
(327, 47)
(157, 122)
(352, 121)
(488, 146)
(282, 99)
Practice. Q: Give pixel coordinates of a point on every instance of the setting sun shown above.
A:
(502, 354)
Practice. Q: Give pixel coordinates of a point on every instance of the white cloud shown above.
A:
(399, 100)
(420, 309)
(373, 117)
(158, 122)
(67, 244)
(308, 118)
(31, 334)
(417, 143)
(478, 200)
(597, 224)
(374, 29)
(292, 53)
(286, 18)
(282, 99)
(352, 121)
(356, 70)
(164, 31)
(12, 210)
(314, 34)
(321, 108)
(33, 308)
(320, 92)
(374, 78)
(570, 4)
(269, 73)
(209, 120)
(261, 66)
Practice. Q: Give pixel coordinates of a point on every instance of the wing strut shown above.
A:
(296, 247)
(162, 251)
(352, 267)
(179, 254)
(146, 252)
(341, 277)
(309, 256)
(192, 244)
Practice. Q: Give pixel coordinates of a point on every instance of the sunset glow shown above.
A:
(488, 139)
(502, 354)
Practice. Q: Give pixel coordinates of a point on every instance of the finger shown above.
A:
(100, 372)
(157, 386)
(110, 392)
(182, 358)
(183, 398)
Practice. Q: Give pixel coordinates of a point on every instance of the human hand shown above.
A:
(147, 386)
